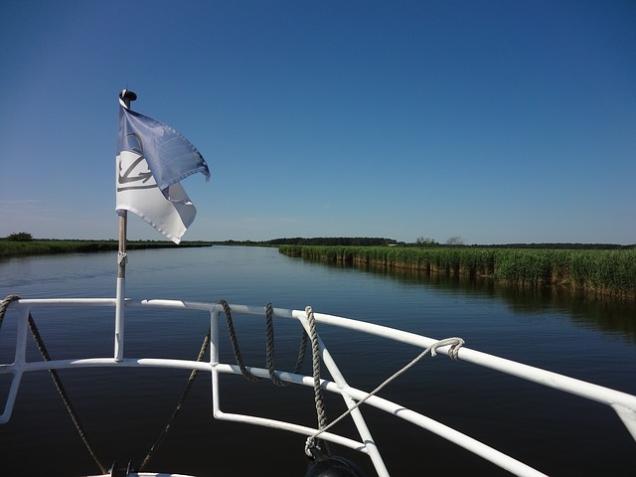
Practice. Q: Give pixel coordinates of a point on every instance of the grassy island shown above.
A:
(607, 272)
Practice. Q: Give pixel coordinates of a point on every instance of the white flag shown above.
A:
(138, 193)
(152, 160)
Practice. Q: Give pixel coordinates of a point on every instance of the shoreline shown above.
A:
(606, 273)
(14, 248)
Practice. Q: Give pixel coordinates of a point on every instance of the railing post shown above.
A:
(18, 364)
(214, 360)
(628, 416)
(356, 415)
(120, 293)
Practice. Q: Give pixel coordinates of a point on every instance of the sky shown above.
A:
(496, 121)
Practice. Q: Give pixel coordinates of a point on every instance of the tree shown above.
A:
(20, 237)
(456, 240)
(425, 242)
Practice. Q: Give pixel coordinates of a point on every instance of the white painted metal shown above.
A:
(624, 404)
(547, 378)
(276, 424)
(17, 367)
(214, 360)
(286, 426)
(397, 410)
(356, 414)
(145, 474)
(628, 416)
(119, 318)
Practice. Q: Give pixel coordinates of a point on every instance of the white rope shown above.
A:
(454, 343)
(321, 413)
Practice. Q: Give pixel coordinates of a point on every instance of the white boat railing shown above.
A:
(624, 404)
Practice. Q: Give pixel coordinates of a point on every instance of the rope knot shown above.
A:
(310, 444)
(455, 345)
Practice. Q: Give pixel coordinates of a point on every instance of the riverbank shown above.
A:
(15, 248)
(605, 272)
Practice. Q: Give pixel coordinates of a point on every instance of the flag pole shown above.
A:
(125, 97)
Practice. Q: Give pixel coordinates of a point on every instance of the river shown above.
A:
(123, 410)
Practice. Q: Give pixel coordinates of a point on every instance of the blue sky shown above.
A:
(495, 121)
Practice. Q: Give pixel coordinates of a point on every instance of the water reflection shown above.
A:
(600, 312)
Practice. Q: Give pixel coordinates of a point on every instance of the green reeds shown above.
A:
(13, 248)
(611, 272)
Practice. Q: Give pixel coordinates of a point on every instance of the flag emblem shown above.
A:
(134, 174)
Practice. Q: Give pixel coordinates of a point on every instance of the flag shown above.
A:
(151, 161)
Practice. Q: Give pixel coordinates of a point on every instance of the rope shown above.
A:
(269, 346)
(193, 374)
(269, 313)
(302, 349)
(62, 392)
(55, 377)
(455, 345)
(321, 412)
(234, 340)
(4, 304)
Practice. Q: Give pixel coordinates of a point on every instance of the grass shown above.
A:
(609, 272)
(12, 248)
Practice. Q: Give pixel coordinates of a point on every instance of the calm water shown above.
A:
(123, 410)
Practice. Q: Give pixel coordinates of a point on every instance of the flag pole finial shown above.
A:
(126, 97)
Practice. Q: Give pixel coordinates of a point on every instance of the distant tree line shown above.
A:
(423, 242)
(430, 242)
(560, 245)
(19, 237)
(333, 241)
(459, 242)
(314, 241)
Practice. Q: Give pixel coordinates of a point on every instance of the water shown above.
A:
(123, 410)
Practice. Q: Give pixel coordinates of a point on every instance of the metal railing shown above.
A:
(624, 404)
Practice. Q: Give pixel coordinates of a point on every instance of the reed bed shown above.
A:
(15, 248)
(608, 272)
